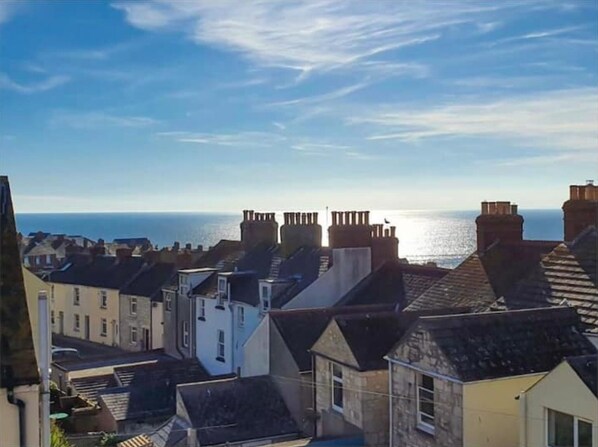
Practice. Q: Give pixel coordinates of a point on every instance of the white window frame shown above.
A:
(104, 327)
(576, 421)
(222, 285)
(202, 308)
(265, 298)
(220, 344)
(336, 380)
(133, 335)
(241, 316)
(76, 296)
(103, 299)
(132, 305)
(76, 322)
(185, 334)
(421, 423)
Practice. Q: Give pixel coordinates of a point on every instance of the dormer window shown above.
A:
(183, 280)
(183, 284)
(222, 285)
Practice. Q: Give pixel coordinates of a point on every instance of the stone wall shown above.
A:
(142, 320)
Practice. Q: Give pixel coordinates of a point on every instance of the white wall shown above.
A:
(157, 325)
(9, 417)
(256, 351)
(349, 266)
(241, 334)
(206, 336)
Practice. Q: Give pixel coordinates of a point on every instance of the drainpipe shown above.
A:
(10, 397)
(44, 366)
(176, 323)
(522, 420)
(232, 328)
(390, 418)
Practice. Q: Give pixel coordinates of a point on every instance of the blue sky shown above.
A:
(222, 105)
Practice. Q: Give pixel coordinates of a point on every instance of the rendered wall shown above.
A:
(257, 351)
(34, 285)
(9, 417)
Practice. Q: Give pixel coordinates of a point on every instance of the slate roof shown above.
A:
(393, 283)
(153, 400)
(586, 368)
(150, 281)
(174, 371)
(301, 328)
(89, 387)
(239, 409)
(567, 275)
(18, 365)
(221, 254)
(172, 433)
(98, 271)
(483, 277)
(503, 344)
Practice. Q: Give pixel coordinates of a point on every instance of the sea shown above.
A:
(444, 237)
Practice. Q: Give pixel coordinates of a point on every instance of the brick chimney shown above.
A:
(300, 230)
(350, 229)
(258, 228)
(498, 221)
(385, 245)
(581, 210)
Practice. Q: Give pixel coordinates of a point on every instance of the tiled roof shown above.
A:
(134, 402)
(586, 368)
(239, 409)
(503, 344)
(301, 328)
(18, 365)
(98, 271)
(565, 276)
(483, 277)
(172, 371)
(393, 283)
(173, 433)
(89, 387)
(137, 441)
(150, 281)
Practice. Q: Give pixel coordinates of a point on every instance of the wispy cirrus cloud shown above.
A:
(49, 83)
(314, 34)
(97, 120)
(564, 120)
(237, 139)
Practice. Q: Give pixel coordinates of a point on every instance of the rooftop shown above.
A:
(586, 368)
(149, 282)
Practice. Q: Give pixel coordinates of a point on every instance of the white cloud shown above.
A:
(563, 120)
(239, 139)
(95, 120)
(49, 83)
(311, 34)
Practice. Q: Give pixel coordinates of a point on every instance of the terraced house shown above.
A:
(85, 295)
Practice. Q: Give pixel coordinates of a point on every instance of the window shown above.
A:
(76, 296)
(133, 335)
(265, 298)
(103, 299)
(38, 260)
(183, 280)
(425, 402)
(241, 316)
(185, 330)
(222, 285)
(133, 306)
(52, 317)
(565, 430)
(77, 323)
(337, 387)
(48, 259)
(168, 302)
(104, 327)
(220, 345)
(201, 311)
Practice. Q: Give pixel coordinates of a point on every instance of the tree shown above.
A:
(57, 436)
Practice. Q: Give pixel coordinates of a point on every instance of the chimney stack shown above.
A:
(123, 253)
(498, 221)
(258, 228)
(350, 229)
(299, 230)
(385, 245)
(581, 210)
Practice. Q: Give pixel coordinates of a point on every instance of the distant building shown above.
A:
(19, 377)
(44, 252)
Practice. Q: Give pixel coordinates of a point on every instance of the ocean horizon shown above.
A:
(444, 237)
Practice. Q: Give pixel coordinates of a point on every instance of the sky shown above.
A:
(218, 105)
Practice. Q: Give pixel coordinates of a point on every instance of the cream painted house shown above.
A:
(85, 295)
(562, 408)
(19, 377)
(454, 379)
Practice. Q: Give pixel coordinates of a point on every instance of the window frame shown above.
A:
(76, 322)
(202, 309)
(337, 380)
(132, 304)
(576, 421)
(220, 344)
(76, 296)
(103, 299)
(103, 327)
(241, 317)
(185, 334)
(421, 423)
(133, 339)
(168, 302)
(222, 285)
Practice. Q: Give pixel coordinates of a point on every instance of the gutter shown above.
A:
(10, 397)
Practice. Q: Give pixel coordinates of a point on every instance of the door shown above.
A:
(146, 339)
(87, 327)
(61, 323)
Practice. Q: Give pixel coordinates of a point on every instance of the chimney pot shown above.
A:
(386, 232)
(334, 216)
(367, 217)
(514, 209)
(393, 231)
